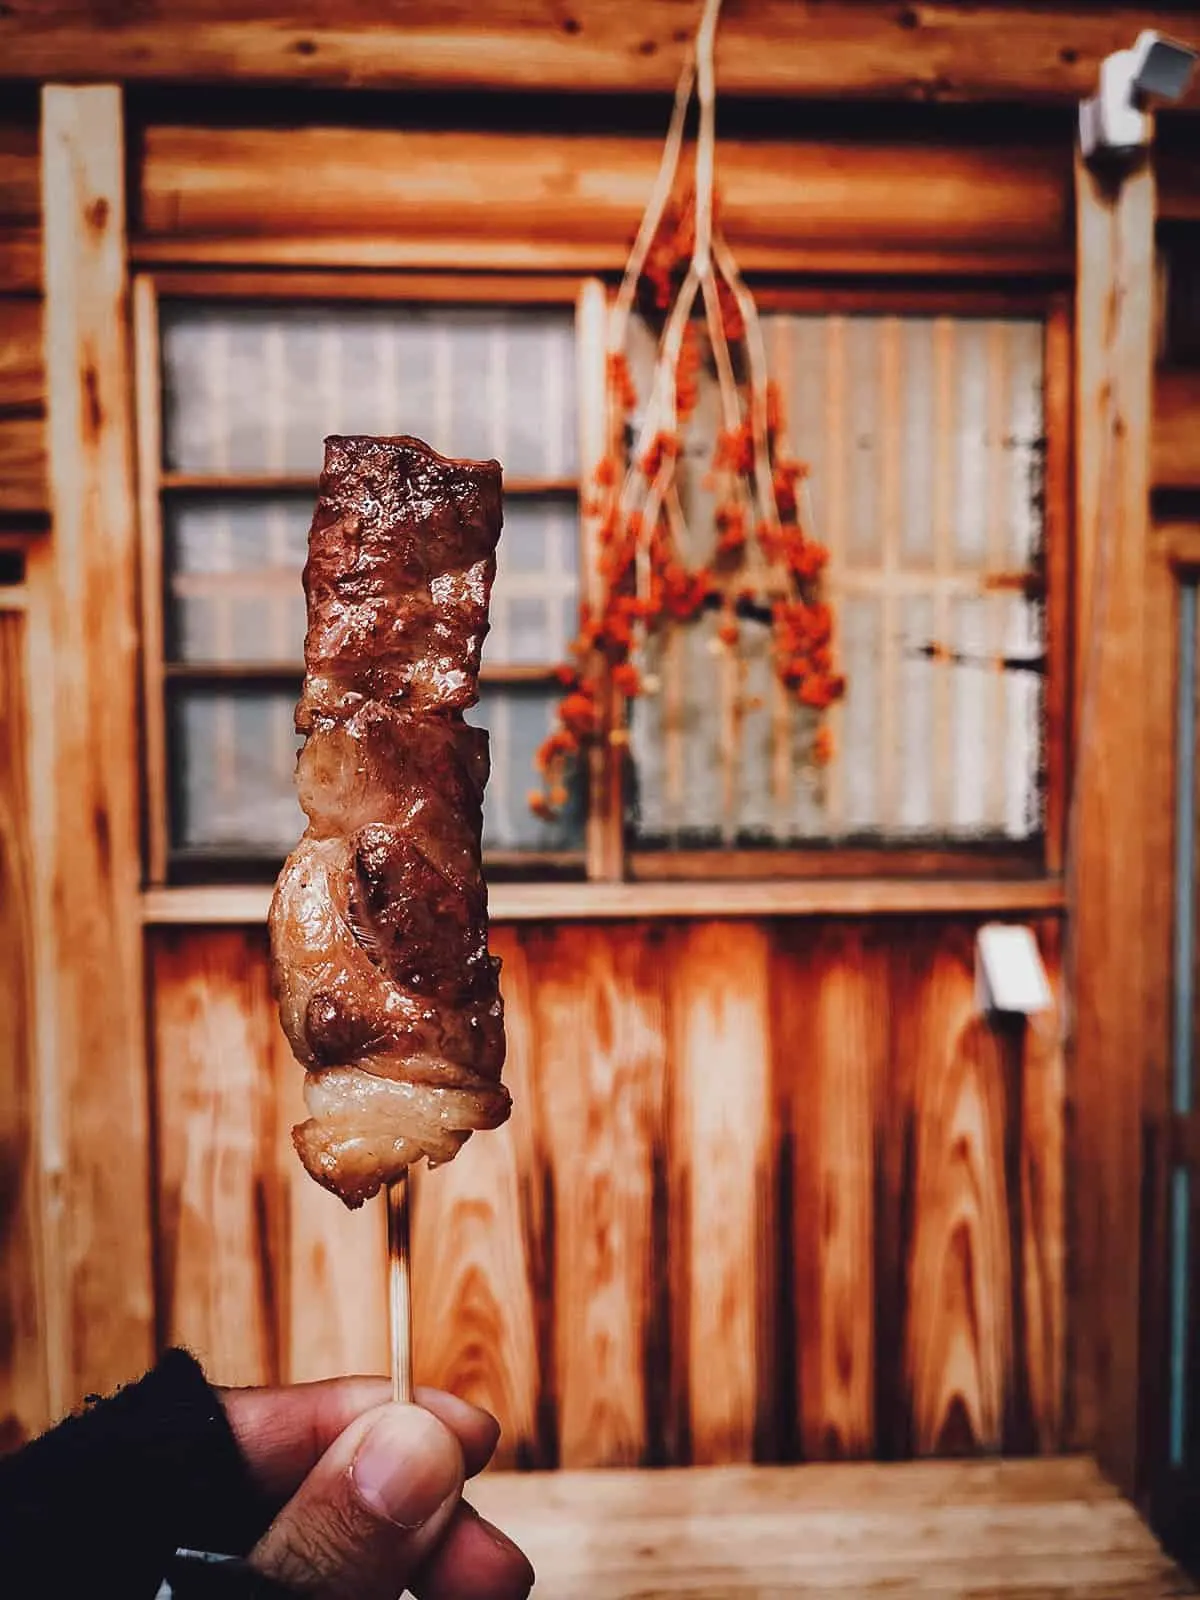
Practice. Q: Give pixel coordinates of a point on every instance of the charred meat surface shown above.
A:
(379, 934)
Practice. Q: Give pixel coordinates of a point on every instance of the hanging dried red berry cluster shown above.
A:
(764, 568)
(645, 582)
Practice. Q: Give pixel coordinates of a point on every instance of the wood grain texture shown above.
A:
(225, 904)
(479, 1245)
(581, 196)
(22, 404)
(959, 1302)
(24, 1387)
(599, 1019)
(769, 1188)
(23, 485)
(20, 259)
(217, 1185)
(91, 998)
(1175, 462)
(831, 1048)
(782, 47)
(1110, 974)
(1040, 1256)
(331, 1264)
(22, 370)
(20, 174)
(722, 1181)
(1040, 1530)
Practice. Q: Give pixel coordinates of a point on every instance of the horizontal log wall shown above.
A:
(833, 49)
(362, 195)
(22, 374)
(771, 1189)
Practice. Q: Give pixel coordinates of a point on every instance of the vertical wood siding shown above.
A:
(771, 1190)
(24, 1391)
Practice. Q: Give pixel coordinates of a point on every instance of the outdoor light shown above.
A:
(1116, 120)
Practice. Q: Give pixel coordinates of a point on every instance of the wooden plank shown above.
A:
(331, 1264)
(148, 393)
(20, 174)
(22, 397)
(830, 1043)
(23, 444)
(581, 195)
(958, 1312)
(415, 287)
(1176, 448)
(20, 259)
(1040, 1256)
(829, 51)
(520, 902)
(217, 1190)
(599, 1019)
(559, 253)
(22, 372)
(1110, 973)
(1043, 1531)
(1019, 860)
(24, 1386)
(1057, 534)
(93, 1048)
(721, 1184)
(479, 1247)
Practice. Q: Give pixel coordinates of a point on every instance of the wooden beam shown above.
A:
(838, 49)
(93, 1070)
(23, 461)
(20, 260)
(1177, 430)
(20, 177)
(1111, 969)
(380, 196)
(554, 902)
(22, 372)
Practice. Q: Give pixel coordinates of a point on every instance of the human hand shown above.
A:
(369, 1493)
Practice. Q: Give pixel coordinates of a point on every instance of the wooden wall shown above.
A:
(770, 1189)
(22, 384)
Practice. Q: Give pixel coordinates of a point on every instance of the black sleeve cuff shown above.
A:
(101, 1503)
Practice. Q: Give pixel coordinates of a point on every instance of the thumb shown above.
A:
(370, 1511)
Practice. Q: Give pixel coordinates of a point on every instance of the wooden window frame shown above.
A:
(1018, 860)
(1009, 874)
(155, 485)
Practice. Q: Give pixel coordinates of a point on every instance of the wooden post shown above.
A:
(1114, 969)
(92, 1086)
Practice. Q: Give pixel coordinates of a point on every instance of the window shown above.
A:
(931, 428)
(247, 393)
(925, 435)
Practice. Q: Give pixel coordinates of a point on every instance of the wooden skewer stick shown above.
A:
(399, 1289)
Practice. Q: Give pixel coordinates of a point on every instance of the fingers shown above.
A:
(371, 1512)
(474, 1559)
(476, 1430)
(283, 1433)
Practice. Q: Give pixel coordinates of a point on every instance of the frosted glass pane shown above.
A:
(233, 758)
(255, 389)
(924, 436)
(517, 720)
(232, 581)
(535, 599)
